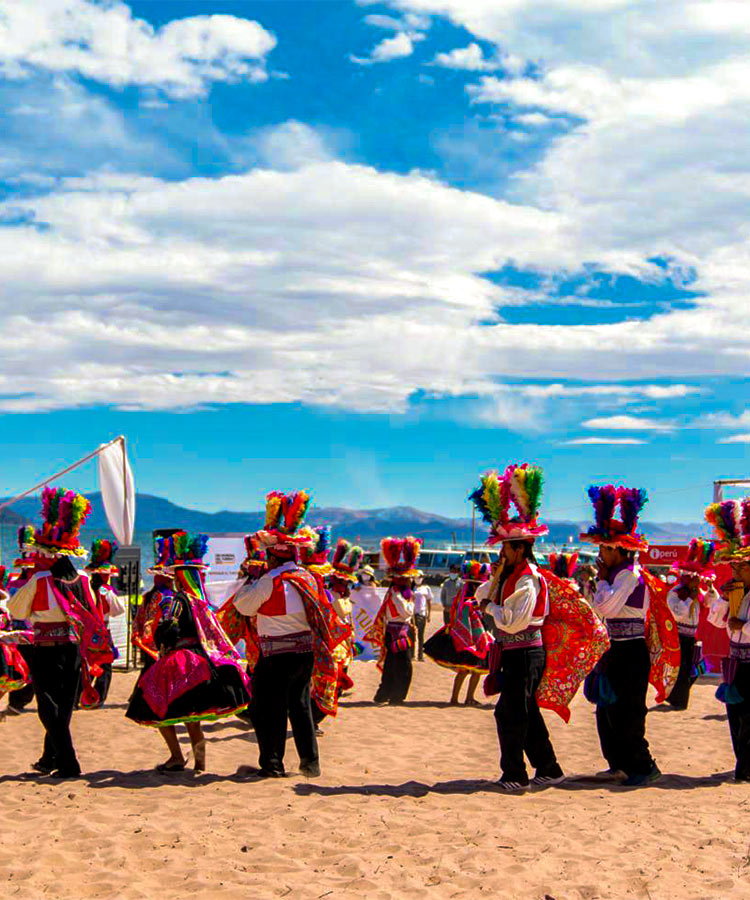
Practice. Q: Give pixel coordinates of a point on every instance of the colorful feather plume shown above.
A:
(391, 549)
(323, 538)
(526, 483)
(473, 570)
(632, 501)
(274, 510)
(295, 508)
(563, 565)
(726, 517)
(700, 552)
(492, 497)
(25, 536)
(412, 548)
(102, 553)
(603, 499)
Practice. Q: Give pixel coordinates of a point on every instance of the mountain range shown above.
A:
(365, 525)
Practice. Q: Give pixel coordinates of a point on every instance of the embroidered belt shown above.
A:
(530, 637)
(686, 630)
(299, 642)
(53, 633)
(740, 652)
(622, 629)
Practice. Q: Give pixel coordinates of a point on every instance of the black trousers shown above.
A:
(520, 726)
(23, 696)
(446, 615)
(679, 696)
(420, 623)
(103, 682)
(396, 679)
(739, 722)
(281, 691)
(56, 671)
(622, 725)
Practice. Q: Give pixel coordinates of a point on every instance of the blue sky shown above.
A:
(373, 249)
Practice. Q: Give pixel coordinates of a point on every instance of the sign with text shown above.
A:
(663, 554)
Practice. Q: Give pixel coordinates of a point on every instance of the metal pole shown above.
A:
(75, 465)
(473, 528)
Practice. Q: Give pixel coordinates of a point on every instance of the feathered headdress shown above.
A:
(563, 565)
(521, 485)
(63, 515)
(346, 560)
(313, 553)
(401, 555)
(610, 531)
(731, 521)
(472, 570)
(285, 515)
(699, 559)
(186, 550)
(102, 557)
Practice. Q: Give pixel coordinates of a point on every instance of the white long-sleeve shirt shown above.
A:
(398, 608)
(109, 602)
(611, 600)
(41, 587)
(718, 615)
(516, 612)
(253, 595)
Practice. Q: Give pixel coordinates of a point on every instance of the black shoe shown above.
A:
(310, 771)
(641, 779)
(43, 767)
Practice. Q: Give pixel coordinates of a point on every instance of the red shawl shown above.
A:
(662, 638)
(574, 638)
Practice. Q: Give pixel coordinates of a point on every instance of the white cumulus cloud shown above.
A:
(106, 43)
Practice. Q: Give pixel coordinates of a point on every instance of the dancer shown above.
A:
(198, 676)
(298, 630)
(622, 597)
(69, 633)
(160, 595)
(14, 670)
(22, 570)
(101, 569)
(423, 598)
(464, 644)
(731, 520)
(517, 600)
(344, 565)
(693, 590)
(390, 633)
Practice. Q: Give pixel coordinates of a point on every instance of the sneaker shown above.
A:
(512, 787)
(43, 768)
(544, 781)
(310, 771)
(612, 774)
(641, 780)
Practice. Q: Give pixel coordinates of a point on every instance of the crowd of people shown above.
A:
(279, 649)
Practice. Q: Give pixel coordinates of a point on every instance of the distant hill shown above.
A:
(366, 525)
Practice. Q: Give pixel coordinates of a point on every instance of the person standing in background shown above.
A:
(449, 590)
(101, 569)
(423, 598)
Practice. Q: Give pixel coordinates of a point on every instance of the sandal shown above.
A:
(171, 765)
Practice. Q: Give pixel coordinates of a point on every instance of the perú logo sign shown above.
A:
(666, 554)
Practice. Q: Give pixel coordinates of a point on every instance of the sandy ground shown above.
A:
(405, 807)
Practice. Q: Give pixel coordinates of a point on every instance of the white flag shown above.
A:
(118, 491)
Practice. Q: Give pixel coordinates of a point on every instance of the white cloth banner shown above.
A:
(366, 601)
(224, 556)
(118, 492)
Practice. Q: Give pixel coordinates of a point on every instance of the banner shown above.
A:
(366, 601)
(224, 556)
